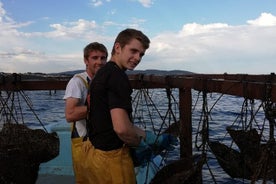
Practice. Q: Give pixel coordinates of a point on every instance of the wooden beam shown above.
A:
(34, 85)
(249, 86)
(185, 110)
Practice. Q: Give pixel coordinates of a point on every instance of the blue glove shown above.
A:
(161, 142)
(141, 154)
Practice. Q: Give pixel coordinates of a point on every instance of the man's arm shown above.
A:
(73, 111)
(125, 129)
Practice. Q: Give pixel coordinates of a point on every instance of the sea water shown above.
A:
(45, 109)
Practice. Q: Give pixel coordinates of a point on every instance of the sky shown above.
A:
(200, 36)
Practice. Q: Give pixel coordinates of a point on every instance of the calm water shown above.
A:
(151, 112)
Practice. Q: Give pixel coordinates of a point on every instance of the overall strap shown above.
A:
(74, 133)
(86, 82)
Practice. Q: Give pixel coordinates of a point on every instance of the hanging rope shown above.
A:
(203, 125)
(147, 113)
(12, 107)
(153, 116)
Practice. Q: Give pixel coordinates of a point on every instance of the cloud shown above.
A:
(216, 48)
(10, 37)
(20, 51)
(146, 3)
(72, 29)
(266, 19)
(97, 3)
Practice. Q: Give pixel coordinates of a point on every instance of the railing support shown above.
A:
(185, 113)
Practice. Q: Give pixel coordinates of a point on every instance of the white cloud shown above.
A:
(216, 48)
(10, 37)
(2, 11)
(21, 53)
(146, 3)
(73, 29)
(266, 19)
(96, 3)
(194, 28)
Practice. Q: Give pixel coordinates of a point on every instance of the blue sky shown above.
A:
(201, 36)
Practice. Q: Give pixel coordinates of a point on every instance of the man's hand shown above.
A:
(141, 154)
(161, 142)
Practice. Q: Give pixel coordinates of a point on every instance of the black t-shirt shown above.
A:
(110, 88)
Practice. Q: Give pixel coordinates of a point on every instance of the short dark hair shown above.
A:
(125, 36)
(94, 46)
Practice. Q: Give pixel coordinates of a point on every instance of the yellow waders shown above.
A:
(109, 167)
(79, 154)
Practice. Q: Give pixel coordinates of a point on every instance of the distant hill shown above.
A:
(69, 72)
(145, 72)
(160, 72)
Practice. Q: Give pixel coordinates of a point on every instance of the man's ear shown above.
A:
(85, 61)
(117, 47)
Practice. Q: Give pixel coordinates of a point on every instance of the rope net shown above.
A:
(244, 148)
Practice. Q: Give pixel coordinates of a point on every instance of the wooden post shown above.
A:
(185, 112)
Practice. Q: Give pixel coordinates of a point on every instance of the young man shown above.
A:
(111, 129)
(95, 56)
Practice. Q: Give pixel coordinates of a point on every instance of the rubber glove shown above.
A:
(141, 154)
(163, 141)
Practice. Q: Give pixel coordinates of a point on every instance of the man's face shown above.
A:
(95, 61)
(130, 55)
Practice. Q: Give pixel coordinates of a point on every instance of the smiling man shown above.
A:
(95, 56)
